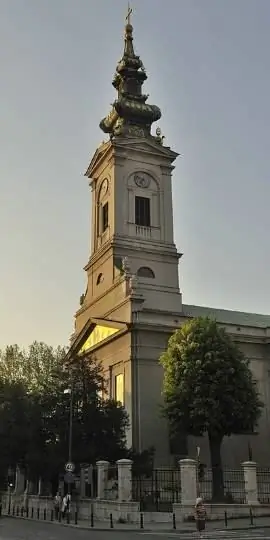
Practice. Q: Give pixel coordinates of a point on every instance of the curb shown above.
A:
(135, 530)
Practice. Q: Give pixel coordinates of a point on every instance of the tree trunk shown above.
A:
(216, 465)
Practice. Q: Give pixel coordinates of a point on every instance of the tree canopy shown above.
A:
(34, 411)
(208, 387)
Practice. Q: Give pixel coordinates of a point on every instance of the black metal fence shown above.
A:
(156, 489)
(263, 485)
(232, 485)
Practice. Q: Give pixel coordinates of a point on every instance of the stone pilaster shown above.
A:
(102, 478)
(251, 487)
(124, 480)
(188, 471)
(19, 482)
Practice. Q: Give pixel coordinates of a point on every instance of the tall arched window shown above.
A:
(145, 272)
(100, 278)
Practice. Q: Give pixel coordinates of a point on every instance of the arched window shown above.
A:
(145, 272)
(100, 278)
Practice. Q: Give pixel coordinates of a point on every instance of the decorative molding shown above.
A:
(142, 180)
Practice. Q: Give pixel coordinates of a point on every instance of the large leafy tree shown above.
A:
(34, 411)
(208, 388)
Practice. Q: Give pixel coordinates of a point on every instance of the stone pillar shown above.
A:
(102, 478)
(251, 487)
(188, 472)
(124, 480)
(40, 486)
(19, 482)
(82, 482)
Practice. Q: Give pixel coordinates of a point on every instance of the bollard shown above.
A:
(18, 511)
(92, 519)
(22, 511)
(13, 510)
(226, 519)
(251, 516)
(76, 517)
(51, 514)
(32, 512)
(27, 511)
(141, 520)
(44, 514)
(173, 521)
(9, 508)
(38, 513)
(111, 522)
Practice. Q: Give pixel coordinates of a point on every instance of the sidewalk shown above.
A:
(233, 524)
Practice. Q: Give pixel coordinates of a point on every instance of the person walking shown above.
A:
(57, 504)
(200, 515)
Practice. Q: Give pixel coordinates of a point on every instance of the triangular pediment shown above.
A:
(97, 157)
(98, 334)
(95, 333)
(147, 145)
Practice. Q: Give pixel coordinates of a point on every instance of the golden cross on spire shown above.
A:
(128, 14)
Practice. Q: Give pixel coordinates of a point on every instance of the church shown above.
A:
(132, 303)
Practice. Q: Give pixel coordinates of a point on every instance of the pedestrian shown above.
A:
(57, 504)
(66, 504)
(200, 515)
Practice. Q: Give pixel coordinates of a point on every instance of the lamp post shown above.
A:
(69, 391)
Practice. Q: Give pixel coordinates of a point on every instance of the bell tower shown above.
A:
(130, 176)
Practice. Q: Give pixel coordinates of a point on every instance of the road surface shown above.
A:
(17, 529)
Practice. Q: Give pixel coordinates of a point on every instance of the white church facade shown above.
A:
(133, 303)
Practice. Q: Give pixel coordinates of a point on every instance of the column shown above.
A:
(251, 487)
(19, 482)
(82, 482)
(188, 472)
(40, 486)
(102, 478)
(124, 480)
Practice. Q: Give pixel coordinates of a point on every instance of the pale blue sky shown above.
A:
(208, 67)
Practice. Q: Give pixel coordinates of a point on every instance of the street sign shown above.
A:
(69, 478)
(69, 467)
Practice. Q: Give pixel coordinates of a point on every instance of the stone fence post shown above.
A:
(19, 482)
(251, 487)
(188, 473)
(124, 480)
(102, 478)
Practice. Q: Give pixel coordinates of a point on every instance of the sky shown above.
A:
(208, 70)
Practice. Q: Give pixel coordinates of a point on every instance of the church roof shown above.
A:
(227, 316)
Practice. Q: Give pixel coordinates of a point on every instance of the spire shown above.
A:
(130, 114)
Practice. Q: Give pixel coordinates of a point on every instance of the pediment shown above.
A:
(98, 334)
(95, 333)
(147, 145)
(97, 157)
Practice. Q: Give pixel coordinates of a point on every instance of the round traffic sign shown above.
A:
(70, 467)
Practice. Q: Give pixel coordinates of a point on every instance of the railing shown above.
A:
(263, 484)
(156, 489)
(233, 485)
(144, 232)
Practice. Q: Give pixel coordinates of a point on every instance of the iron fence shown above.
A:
(263, 485)
(156, 489)
(232, 485)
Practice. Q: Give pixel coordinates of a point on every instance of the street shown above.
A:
(17, 529)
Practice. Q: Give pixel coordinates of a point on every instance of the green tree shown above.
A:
(34, 411)
(208, 388)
